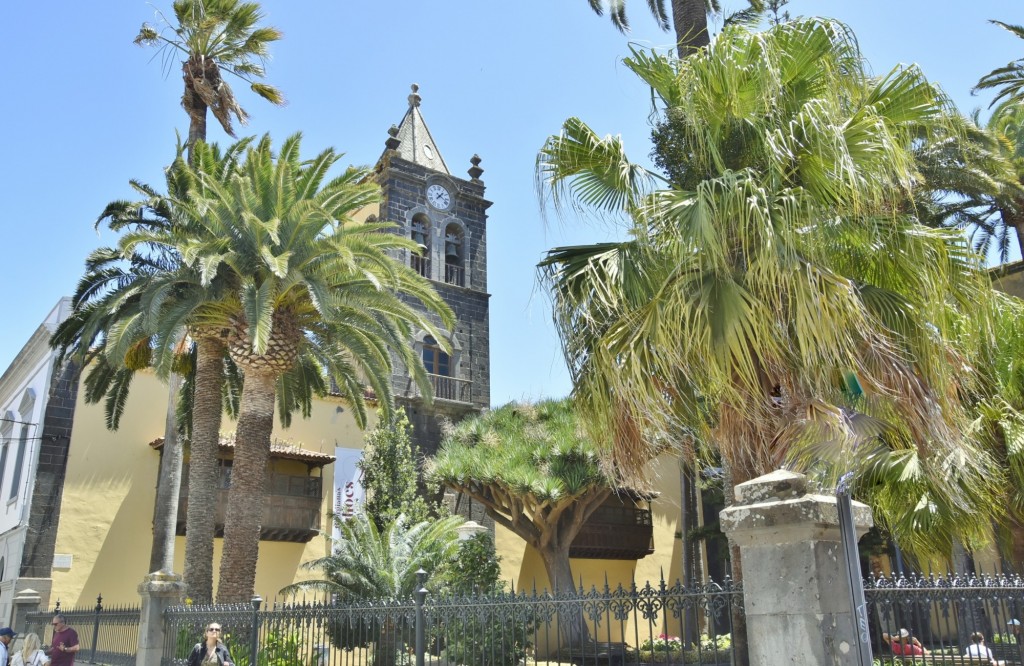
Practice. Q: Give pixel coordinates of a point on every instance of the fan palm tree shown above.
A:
(774, 268)
(689, 18)
(304, 278)
(776, 299)
(216, 37)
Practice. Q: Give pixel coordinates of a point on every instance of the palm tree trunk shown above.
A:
(203, 472)
(193, 104)
(690, 21)
(248, 483)
(166, 512)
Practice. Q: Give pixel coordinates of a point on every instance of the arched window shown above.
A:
(454, 256)
(419, 231)
(435, 360)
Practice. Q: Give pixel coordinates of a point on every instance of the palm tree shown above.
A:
(111, 331)
(304, 278)
(216, 37)
(170, 294)
(134, 304)
(775, 298)
(775, 260)
(1009, 79)
(371, 562)
(689, 18)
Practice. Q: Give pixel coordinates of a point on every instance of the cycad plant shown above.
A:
(368, 565)
(368, 562)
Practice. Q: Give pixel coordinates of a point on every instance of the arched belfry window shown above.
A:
(435, 360)
(419, 231)
(454, 255)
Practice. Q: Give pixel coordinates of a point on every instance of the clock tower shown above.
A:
(446, 216)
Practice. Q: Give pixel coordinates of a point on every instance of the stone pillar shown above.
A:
(27, 601)
(795, 592)
(158, 591)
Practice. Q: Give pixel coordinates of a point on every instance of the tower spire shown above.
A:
(414, 141)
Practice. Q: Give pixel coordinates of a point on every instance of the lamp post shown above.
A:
(469, 529)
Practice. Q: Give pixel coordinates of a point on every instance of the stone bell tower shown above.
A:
(447, 216)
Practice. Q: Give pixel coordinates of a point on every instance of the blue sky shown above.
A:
(87, 110)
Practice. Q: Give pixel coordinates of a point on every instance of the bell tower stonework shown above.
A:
(446, 216)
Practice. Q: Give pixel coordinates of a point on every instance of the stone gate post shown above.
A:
(795, 592)
(158, 591)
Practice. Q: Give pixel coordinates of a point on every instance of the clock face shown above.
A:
(438, 197)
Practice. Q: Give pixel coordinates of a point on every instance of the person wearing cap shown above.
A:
(1014, 626)
(6, 636)
(904, 644)
(64, 644)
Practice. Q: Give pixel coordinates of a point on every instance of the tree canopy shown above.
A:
(536, 471)
(778, 260)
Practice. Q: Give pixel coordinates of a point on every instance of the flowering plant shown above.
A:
(663, 643)
(716, 644)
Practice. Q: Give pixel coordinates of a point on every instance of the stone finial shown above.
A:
(414, 98)
(781, 484)
(475, 171)
(393, 142)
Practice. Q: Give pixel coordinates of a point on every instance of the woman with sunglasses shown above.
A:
(211, 651)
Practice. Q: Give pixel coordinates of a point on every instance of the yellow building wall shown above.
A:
(110, 492)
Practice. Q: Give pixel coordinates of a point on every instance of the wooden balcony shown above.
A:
(450, 389)
(616, 531)
(291, 507)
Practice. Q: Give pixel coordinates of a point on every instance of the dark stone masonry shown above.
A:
(47, 495)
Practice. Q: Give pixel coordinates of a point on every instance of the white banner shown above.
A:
(348, 484)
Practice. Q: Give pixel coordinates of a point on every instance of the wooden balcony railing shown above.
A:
(615, 532)
(291, 506)
(452, 388)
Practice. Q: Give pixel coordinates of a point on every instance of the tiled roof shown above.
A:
(278, 449)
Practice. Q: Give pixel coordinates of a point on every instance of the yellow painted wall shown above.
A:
(109, 495)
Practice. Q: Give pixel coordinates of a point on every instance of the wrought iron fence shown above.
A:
(658, 624)
(946, 619)
(106, 634)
